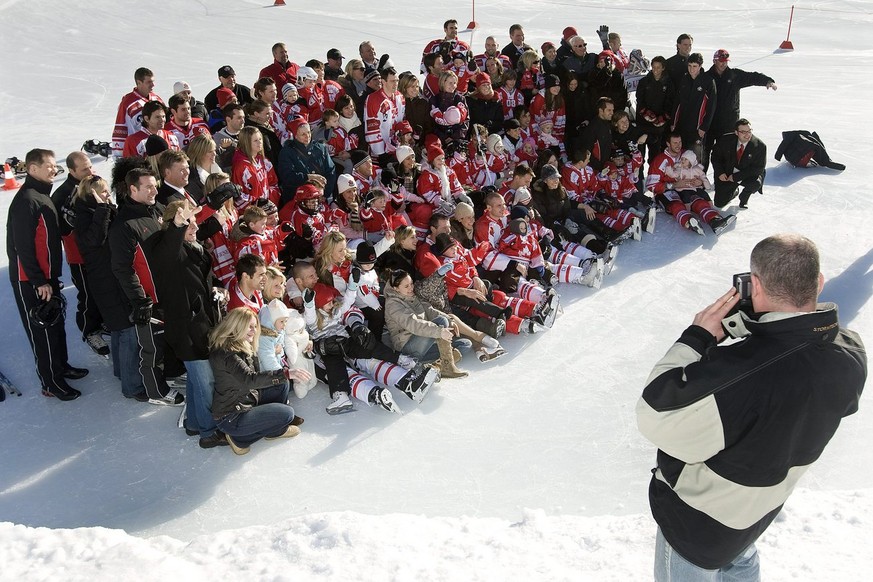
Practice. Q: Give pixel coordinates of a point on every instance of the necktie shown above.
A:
(740, 151)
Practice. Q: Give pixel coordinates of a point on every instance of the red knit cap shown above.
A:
(224, 96)
(324, 294)
(570, 32)
(434, 151)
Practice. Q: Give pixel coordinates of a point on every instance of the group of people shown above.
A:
(364, 227)
(404, 220)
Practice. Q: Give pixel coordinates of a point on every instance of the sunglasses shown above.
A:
(397, 277)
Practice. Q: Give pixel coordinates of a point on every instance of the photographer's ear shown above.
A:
(821, 282)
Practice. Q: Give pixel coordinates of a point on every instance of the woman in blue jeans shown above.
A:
(418, 329)
(248, 404)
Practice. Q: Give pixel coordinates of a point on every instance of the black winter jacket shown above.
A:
(130, 237)
(33, 241)
(727, 86)
(183, 273)
(237, 380)
(737, 425)
(92, 236)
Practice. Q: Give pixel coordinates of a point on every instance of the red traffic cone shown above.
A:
(9, 181)
(279, 3)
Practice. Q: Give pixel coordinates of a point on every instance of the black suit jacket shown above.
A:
(750, 166)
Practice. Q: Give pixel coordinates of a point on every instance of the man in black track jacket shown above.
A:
(33, 245)
(737, 425)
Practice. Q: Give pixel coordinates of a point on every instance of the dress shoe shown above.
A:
(71, 373)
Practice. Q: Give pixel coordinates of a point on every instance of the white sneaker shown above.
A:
(340, 405)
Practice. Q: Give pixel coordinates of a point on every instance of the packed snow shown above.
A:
(530, 469)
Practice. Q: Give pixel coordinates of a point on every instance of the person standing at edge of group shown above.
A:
(33, 245)
(88, 318)
(728, 82)
(738, 425)
(739, 159)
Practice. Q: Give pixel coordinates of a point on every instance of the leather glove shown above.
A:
(142, 312)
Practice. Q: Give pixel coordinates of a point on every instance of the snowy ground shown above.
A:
(530, 469)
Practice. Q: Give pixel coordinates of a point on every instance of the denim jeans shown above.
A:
(424, 349)
(671, 567)
(198, 396)
(269, 418)
(125, 359)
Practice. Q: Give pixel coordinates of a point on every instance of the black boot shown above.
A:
(71, 373)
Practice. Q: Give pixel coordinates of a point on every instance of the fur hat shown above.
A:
(344, 182)
(522, 194)
(403, 152)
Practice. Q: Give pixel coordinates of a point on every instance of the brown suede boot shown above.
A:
(448, 369)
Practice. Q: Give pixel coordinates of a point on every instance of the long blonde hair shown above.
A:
(323, 261)
(230, 333)
(273, 274)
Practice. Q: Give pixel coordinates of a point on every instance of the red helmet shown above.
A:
(307, 192)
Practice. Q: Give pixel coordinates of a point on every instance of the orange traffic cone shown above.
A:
(9, 181)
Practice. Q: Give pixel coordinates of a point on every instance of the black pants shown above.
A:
(49, 345)
(88, 318)
(727, 191)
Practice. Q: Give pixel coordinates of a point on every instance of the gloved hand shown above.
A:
(142, 312)
(309, 297)
(444, 269)
(352, 284)
(603, 33)
(356, 274)
(307, 232)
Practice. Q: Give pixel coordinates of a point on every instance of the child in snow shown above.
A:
(687, 168)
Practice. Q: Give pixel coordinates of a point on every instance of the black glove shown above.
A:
(307, 232)
(356, 274)
(388, 176)
(603, 33)
(142, 312)
(308, 296)
(286, 227)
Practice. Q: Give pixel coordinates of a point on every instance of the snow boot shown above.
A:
(448, 369)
